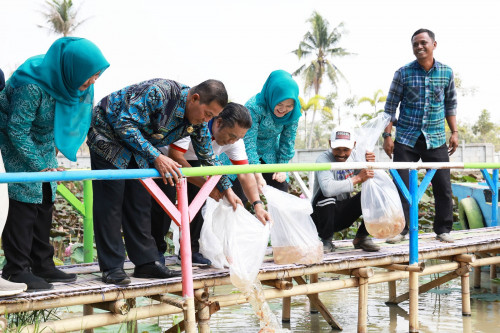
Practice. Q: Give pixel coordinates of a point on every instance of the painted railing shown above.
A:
(182, 213)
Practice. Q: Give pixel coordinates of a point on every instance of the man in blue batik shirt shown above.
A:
(128, 127)
(425, 92)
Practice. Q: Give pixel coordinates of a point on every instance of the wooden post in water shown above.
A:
(88, 310)
(413, 279)
(477, 277)
(286, 310)
(313, 278)
(362, 274)
(465, 290)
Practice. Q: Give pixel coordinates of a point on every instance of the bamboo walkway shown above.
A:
(472, 248)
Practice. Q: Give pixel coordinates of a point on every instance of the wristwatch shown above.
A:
(386, 134)
(256, 202)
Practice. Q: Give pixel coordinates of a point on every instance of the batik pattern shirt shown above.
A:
(266, 140)
(27, 137)
(425, 99)
(136, 120)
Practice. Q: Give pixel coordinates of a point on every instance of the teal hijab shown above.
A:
(280, 86)
(68, 63)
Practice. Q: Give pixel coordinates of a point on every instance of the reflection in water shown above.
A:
(440, 310)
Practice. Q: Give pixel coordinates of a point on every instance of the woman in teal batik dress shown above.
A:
(47, 103)
(275, 114)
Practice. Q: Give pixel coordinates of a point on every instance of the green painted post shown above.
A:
(88, 223)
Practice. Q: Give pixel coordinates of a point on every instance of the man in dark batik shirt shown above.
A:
(127, 128)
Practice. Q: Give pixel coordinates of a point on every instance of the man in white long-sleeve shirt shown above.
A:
(334, 208)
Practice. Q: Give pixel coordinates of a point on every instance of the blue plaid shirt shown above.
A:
(425, 99)
(136, 120)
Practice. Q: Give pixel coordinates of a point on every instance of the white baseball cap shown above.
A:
(342, 137)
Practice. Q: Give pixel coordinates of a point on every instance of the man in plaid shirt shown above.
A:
(425, 92)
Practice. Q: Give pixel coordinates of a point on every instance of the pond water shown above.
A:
(440, 310)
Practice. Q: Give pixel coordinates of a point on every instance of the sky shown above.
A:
(241, 42)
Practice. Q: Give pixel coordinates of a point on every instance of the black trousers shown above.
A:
(121, 204)
(26, 237)
(331, 216)
(441, 183)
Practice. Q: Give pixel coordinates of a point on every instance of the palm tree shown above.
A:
(378, 97)
(61, 17)
(323, 44)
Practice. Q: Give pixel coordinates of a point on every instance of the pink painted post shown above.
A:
(162, 200)
(186, 262)
(202, 196)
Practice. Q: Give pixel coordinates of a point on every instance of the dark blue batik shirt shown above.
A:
(425, 99)
(136, 120)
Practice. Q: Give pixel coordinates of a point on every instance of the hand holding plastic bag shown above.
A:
(293, 235)
(210, 245)
(244, 241)
(380, 203)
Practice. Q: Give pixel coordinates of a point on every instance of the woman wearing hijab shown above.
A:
(46, 105)
(275, 117)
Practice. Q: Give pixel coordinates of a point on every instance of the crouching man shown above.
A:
(333, 207)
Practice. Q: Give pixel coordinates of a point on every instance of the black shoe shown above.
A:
(55, 275)
(154, 270)
(33, 282)
(198, 258)
(115, 276)
(366, 244)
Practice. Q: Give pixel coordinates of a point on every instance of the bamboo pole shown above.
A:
(286, 308)
(132, 324)
(118, 307)
(314, 299)
(362, 304)
(164, 298)
(477, 277)
(466, 311)
(203, 317)
(493, 271)
(189, 315)
(313, 278)
(278, 284)
(392, 292)
(101, 319)
(429, 285)
(87, 310)
(408, 268)
(413, 301)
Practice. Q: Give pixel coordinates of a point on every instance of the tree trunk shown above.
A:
(311, 131)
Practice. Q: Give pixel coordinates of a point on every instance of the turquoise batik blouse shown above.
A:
(27, 137)
(267, 140)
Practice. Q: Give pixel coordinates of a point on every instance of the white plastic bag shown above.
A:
(4, 199)
(293, 235)
(244, 241)
(380, 203)
(210, 245)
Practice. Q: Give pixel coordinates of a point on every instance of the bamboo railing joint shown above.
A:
(278, 284)
(117, 307)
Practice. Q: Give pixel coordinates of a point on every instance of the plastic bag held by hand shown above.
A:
(380, 202)
(293, 235)
(244, 241)
(210, 245)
